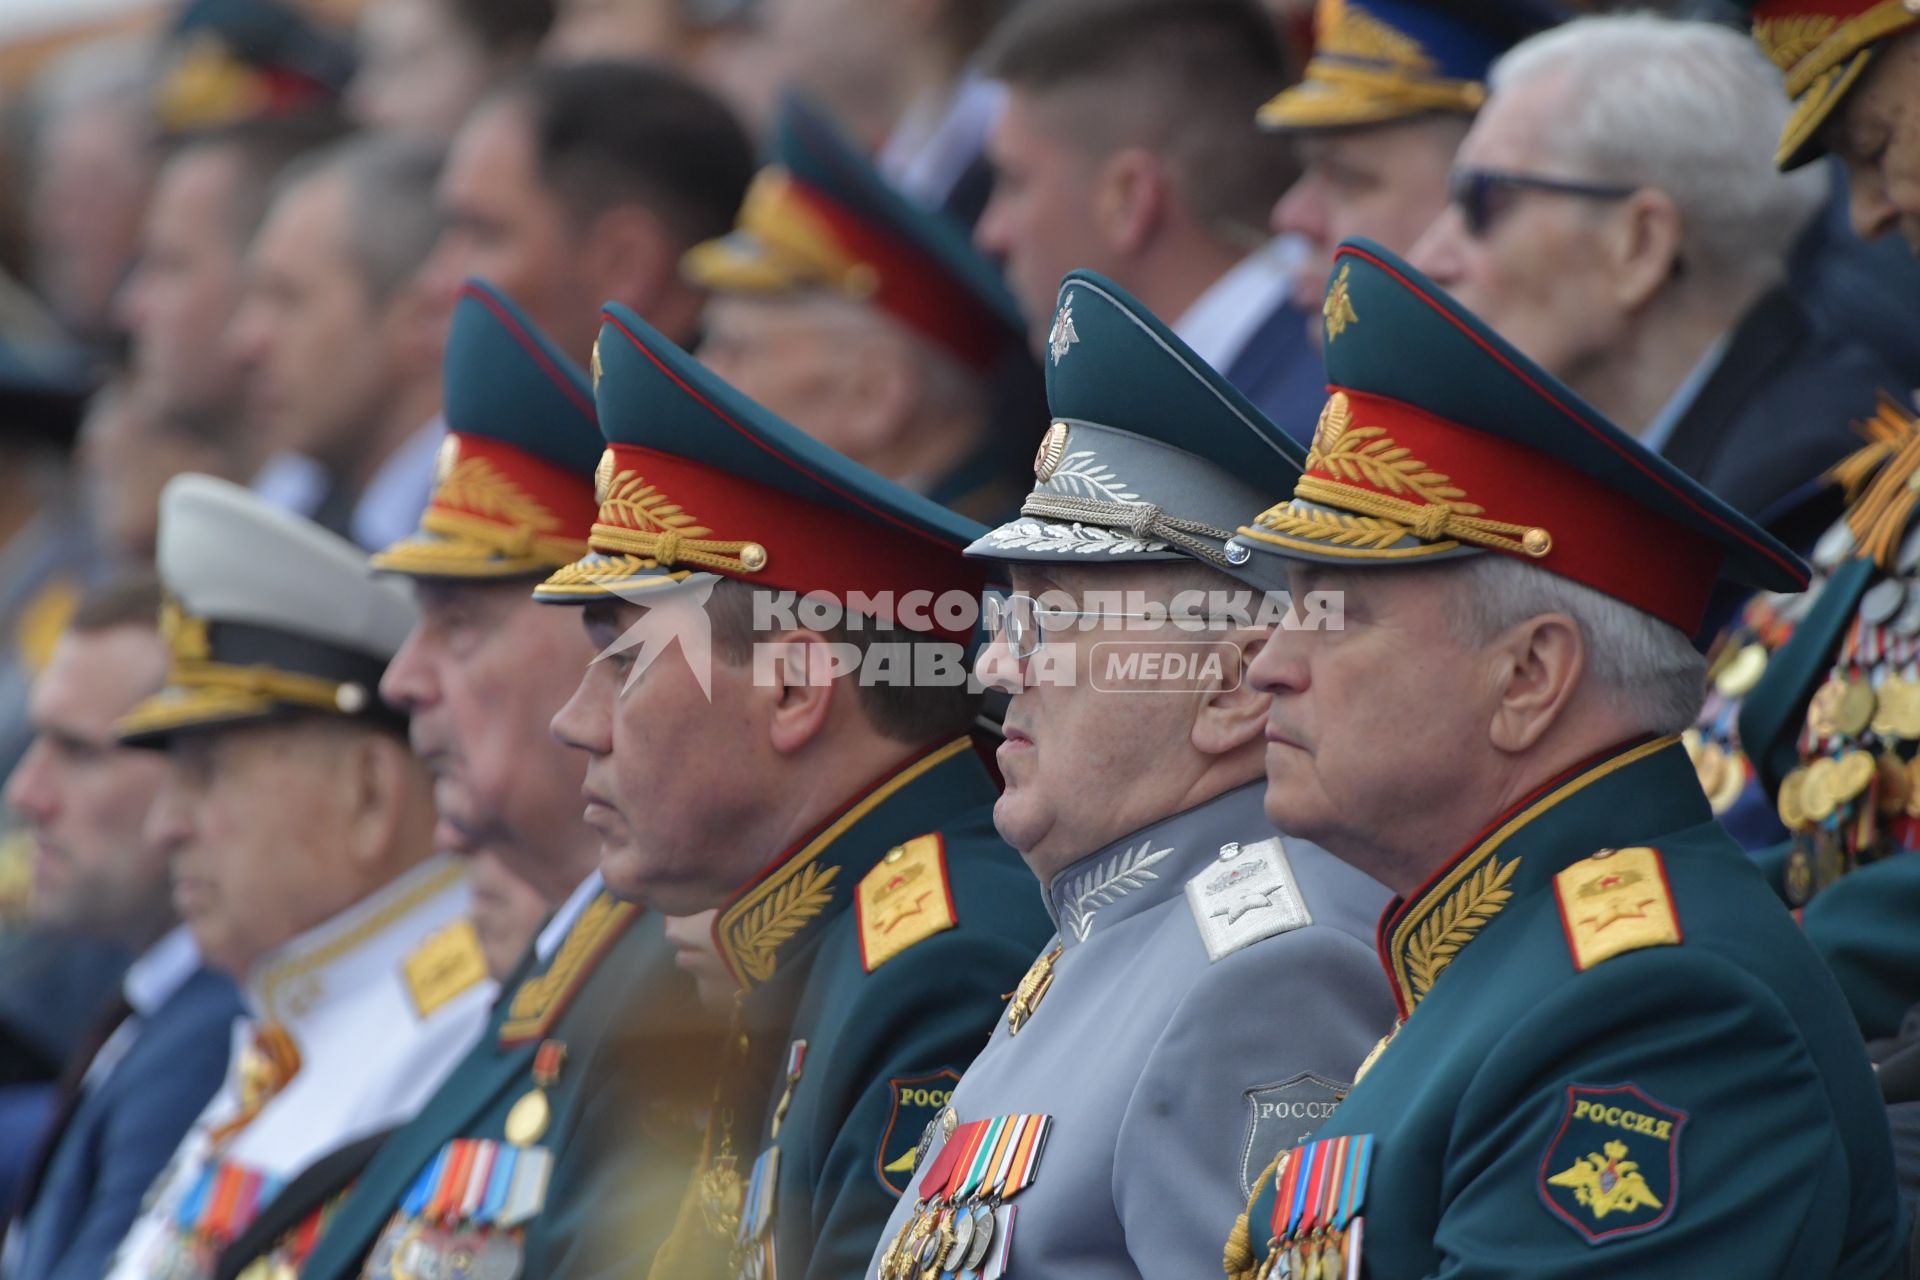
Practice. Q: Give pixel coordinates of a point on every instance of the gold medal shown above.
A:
(1816, 791)
(1790, 806)
(1906, 719)
(527, 1121)
(1743, 671)
(1823, 711)
(1855, 710)
(1852, 774)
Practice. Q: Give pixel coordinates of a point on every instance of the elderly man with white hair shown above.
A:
(1617, 1055)
(1617, 215)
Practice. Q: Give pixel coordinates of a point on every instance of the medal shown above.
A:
(527, 1121)
(1032, 989)
(796, 1059)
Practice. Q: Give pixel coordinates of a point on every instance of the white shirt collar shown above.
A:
(938, 137)
(1224, 318)
(161, 971)
(566, 917)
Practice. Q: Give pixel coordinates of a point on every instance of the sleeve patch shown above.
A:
(1283, 1116)
(1247, 894)
(918, 1101)
(1613, 1167)
(905, 899)
(1614, 902)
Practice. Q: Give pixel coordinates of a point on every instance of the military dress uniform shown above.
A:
(574, 1089)
(1165, 934)
(1617, 1055)
(352, 1024)
(873, 955)
(821, 217)
(1811, 720)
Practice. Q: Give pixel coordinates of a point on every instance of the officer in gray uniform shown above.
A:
(1126, 1096)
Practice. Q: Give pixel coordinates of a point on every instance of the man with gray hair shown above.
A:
(1627, 1059)
(1616, 214)
(340, 339)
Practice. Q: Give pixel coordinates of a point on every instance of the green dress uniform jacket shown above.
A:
(1619, 1057)
(875, 960)
(619, 1099)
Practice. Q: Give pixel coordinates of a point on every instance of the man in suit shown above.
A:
(800, 760)
(1617, 216)
(1617, 1055)
(597, 1023)
(161, 1049)
(1127, 146)
(870, 324)
(1134, 796)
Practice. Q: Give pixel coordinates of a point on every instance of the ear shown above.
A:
(803, 691)
(629, 256)
(1537, 665)
(375, 769)
(1232, 712)
(1131, 193)
(1643, 246)
(884, 389)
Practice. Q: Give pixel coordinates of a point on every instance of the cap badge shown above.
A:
(1063, 335)
(446, 460)
(1053, 447)
(1338, 308)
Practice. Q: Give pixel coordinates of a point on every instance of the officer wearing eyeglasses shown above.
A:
(1133, 766)
(1378, 115)
(1617, 215)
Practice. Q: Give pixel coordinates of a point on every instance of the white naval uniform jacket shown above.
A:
(1187, 1035)
(369, 1057)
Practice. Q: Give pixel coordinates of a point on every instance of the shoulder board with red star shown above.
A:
(1616, 901)
(905, 899)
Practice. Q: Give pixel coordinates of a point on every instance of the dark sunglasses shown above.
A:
(1477, 193)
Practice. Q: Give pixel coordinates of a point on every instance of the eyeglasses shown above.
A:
(1022, 621)
(1477, 193)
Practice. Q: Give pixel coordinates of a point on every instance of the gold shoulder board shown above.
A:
(903, 900)
(1616, 901)
(446, 964)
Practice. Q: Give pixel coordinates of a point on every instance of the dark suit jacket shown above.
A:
(122, 1133)
(1281, 372)
(1778, 410)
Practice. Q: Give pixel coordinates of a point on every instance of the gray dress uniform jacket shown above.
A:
(1216, 989)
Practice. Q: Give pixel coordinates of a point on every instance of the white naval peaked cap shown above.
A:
(268, 614)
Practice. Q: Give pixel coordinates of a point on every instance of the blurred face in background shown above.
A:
(421, 71)
(506, 226)
(187, 285)
(258, 823)
(128, 451)
(1386, 182)
(84, 797)
(1876, 134)
(480, 678)
(90, 187)
(319, 349)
